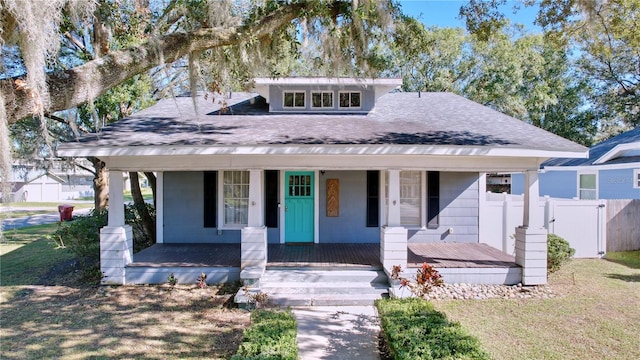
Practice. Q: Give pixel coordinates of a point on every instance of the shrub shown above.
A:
(558, 252)
(82, 237)
(427, 277)
(412, 329)
(272, 335)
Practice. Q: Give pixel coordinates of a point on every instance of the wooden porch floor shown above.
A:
(443, 255)
(452, 255)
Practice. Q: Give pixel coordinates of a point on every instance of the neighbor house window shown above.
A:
(350, 99)
(294, 99)
(323, 99)
(587, 189)
(636, 178)
(235, 193)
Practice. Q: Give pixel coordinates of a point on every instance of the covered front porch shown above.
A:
(471, 263)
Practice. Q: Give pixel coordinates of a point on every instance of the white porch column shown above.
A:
(531, 237)
(253, 247)
(116, 239)
(393, 237)
(160, 207)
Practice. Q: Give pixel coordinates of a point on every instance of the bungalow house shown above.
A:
(612, 171)
(358, 173)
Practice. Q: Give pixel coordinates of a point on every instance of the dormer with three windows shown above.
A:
(323, 95)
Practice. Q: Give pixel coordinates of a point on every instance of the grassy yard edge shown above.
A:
(272, 335)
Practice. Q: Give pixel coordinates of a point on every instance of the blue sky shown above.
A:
(444, 13)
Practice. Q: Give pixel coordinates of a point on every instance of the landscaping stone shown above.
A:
(480, 292)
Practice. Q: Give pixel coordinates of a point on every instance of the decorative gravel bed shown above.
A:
(479, 292)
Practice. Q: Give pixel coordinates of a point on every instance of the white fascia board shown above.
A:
(616, 151)
(393, 82)
(70, 150)
(629, 165)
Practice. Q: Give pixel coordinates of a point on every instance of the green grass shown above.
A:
(26, 256)
(594, 316)
(414, 330)
(272, 335)
(627, 258)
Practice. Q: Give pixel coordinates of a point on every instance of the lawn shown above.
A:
(68, 320)
(595, 316)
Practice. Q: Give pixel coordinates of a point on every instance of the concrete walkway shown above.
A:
(337, 332)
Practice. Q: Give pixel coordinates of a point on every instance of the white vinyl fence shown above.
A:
(581, 222)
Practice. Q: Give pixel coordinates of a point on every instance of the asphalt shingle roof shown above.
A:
(398, 118)
(598, 150)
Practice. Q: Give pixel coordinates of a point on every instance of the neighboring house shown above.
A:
(37, 187)
(612, 171)
(33, 184)
(323, 162)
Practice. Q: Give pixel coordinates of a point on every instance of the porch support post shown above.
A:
(116, 239)
(531, 237)
(160, 207)
(253, 247)
(393, 237)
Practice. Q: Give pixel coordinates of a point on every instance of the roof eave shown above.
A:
(73, 150)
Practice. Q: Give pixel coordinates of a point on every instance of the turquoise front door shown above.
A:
(298, 207)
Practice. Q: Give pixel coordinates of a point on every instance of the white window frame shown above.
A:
(222, 224)
(350, 93)
(322, 94)
(294, 92)
(423, 199)
(580, 173)
(636, 178)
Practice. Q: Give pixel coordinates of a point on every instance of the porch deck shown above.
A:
(444, 255)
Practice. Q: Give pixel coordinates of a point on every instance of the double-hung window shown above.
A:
(294, 99)
(322, 99)
(587, 186)
(419, 198)
(235, 193)
(350, 99)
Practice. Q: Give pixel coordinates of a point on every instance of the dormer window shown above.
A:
(350, 99)
(294, 99)
(322, 99)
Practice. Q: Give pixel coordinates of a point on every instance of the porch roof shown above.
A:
(400, 123)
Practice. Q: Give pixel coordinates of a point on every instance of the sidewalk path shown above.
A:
(49, 218)
(337, 332)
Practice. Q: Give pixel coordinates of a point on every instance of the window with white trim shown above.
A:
(636, 178)
(235, 195)
(587, 186)
(350, 99)
(294, 99)
(411, 197)
(322, 99)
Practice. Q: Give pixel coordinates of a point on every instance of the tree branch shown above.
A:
(84, 83)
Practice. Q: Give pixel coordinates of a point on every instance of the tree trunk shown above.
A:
(100, 184)
(147, 221)
(151, 177)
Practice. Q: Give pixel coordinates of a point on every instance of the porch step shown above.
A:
(307, 287)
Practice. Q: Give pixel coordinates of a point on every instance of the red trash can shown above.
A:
(66, 212)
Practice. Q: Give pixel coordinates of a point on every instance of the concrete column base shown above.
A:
(393, 247)
(531, 255)
(116, 252)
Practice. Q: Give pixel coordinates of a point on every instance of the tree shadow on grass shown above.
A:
(626, 278)
(117, 323)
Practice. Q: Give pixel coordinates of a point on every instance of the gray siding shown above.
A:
(184, 211)
(367, 100)
(350, 226)
(458, 210)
